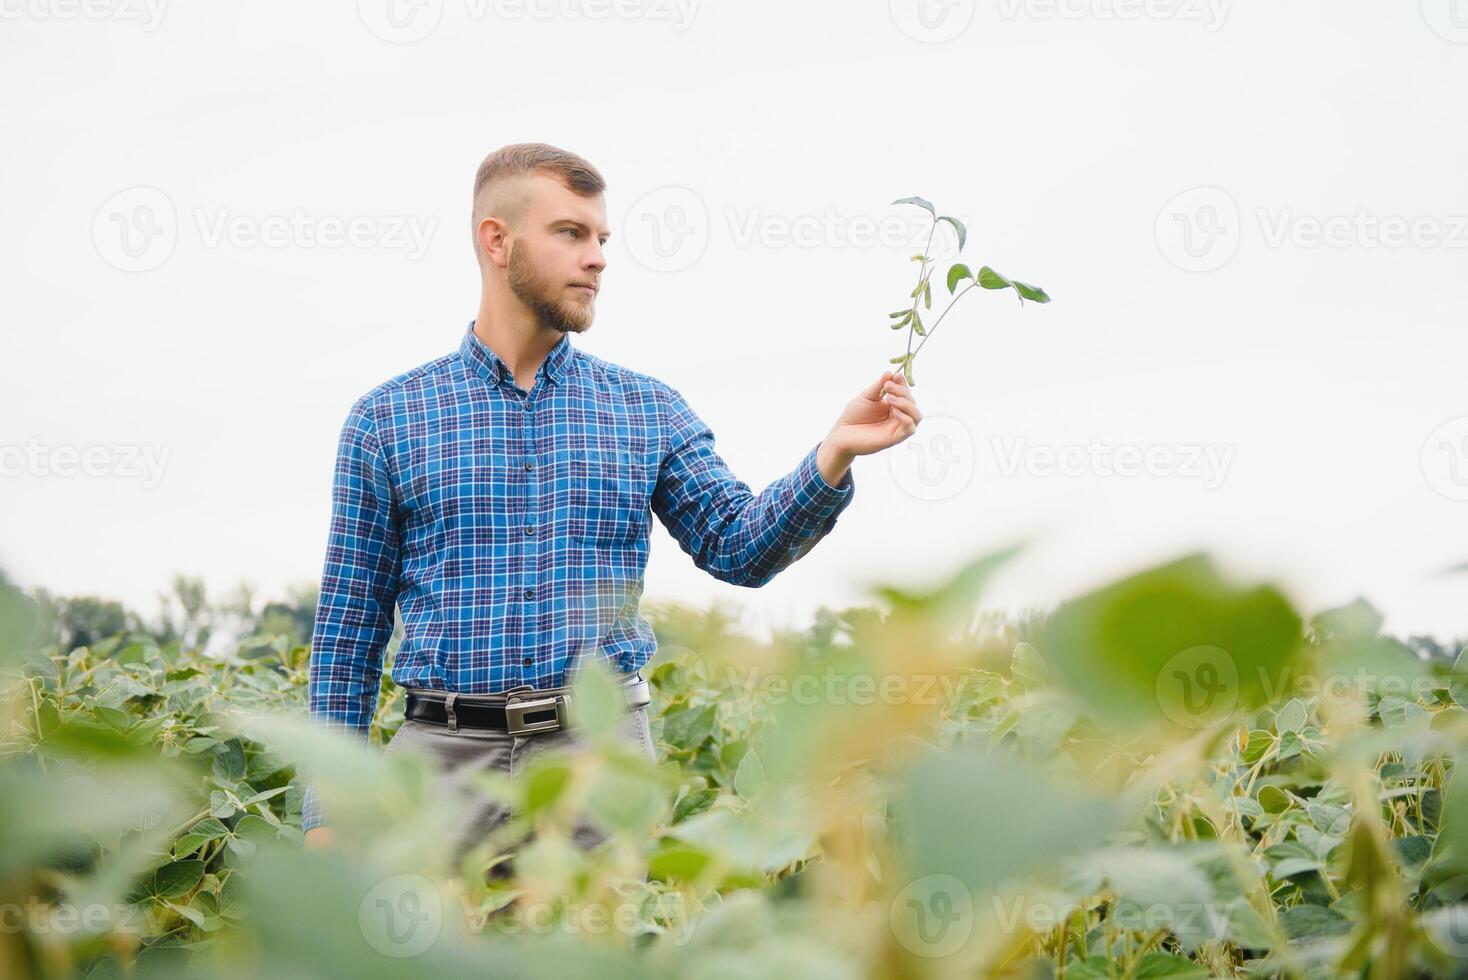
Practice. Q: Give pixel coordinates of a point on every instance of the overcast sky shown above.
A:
(224, 222)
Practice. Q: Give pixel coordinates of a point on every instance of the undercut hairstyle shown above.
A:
(500, 188)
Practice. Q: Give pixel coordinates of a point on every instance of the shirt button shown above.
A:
(529, 465)
(529, 528)
(527, 662)
(528, 593)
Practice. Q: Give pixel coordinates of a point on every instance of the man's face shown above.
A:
(556, 260)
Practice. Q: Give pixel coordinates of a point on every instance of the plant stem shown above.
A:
(912, 356)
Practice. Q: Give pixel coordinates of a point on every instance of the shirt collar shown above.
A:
(487, 364)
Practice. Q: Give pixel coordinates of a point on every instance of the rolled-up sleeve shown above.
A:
(359, 588)
(730, 532)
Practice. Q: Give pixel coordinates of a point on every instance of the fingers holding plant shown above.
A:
(899, 397)
(882, 415)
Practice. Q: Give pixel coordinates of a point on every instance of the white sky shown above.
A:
(1317, 375)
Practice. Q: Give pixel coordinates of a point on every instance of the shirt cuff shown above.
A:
(814, 497)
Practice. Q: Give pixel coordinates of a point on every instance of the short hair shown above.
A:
(500, 171)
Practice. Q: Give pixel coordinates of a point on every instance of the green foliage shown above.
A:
(922, 293)
(1172, 776)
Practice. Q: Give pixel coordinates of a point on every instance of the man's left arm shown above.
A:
(745, 539)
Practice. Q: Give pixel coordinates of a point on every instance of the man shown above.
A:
(500, 496)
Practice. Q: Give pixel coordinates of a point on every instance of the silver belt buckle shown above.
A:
(638, 691)
(515, 711)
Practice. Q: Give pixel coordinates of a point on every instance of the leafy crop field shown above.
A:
(1176, 775)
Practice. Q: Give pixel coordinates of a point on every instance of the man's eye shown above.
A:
(569, 231)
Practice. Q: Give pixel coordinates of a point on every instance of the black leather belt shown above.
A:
(519, 711)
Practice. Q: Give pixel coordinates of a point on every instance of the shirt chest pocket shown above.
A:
(612, 481)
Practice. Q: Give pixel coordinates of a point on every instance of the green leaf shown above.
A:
(199, 834)
(678, 861)
(597, 701)
(1176, 645)
(1259, 743)
(1156, 965)
(750, 775)
(1291, 717)
(1028, 668)
(1033, 293)
(268, 794)
(624, 799)
(957, 273)
(989, 279)
(687, 729)
(754, 839)
(1275, 800)
(917, 201)
(178, 878)
(958, 227)
(192, 914)
(544, 784)
(694, 803)
(220, 805)
(1313, 922)
(958, 798)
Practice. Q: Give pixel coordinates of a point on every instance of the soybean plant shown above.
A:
(922, 293)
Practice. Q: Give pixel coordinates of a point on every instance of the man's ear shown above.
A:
(494, 240)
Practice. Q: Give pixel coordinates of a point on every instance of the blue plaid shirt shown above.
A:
(511, 527)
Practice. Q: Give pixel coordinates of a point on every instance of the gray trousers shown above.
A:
(455, 757)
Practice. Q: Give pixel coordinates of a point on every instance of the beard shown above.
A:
(544, 296)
